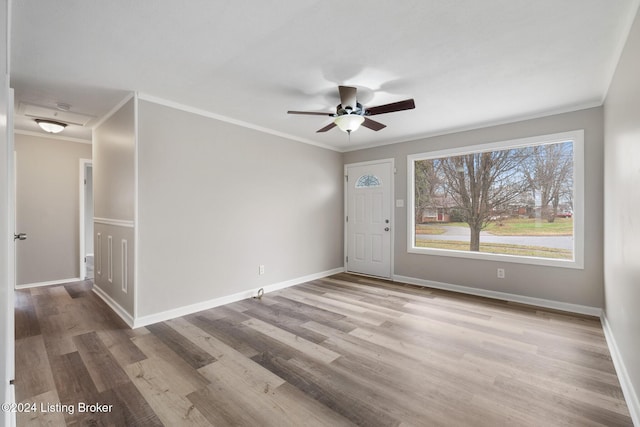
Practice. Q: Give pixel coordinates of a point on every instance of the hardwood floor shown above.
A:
(344, 350)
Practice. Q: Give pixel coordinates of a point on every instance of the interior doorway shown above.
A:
(86, 219)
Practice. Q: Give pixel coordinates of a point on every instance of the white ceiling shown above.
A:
(467, 63)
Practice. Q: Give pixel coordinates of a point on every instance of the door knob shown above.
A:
(20, 236)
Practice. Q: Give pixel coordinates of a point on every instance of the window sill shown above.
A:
(576, 263)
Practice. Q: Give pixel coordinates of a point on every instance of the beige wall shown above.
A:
(114, 166)
(583, 287)
(217, 200)
(622, 212)
(114, 205)
(47, 208)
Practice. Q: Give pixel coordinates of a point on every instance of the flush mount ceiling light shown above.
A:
(51, 126)
(349, 122)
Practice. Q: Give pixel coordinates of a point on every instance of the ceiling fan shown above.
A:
(350, 114)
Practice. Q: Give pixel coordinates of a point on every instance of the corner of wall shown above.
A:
(114, 151)
(216, 302)
(630, 395)
(117, 308)
(621, 248)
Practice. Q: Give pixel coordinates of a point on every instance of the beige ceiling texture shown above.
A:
(467, 63)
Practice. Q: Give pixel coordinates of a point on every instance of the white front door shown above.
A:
(368, 219)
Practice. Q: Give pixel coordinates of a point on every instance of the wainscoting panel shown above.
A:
(115, 262)
(110, 259)
(98, 257)
(125, 266)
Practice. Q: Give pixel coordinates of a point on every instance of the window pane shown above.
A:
(510, 201)
(366, 181)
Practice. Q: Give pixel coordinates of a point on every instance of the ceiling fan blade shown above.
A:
(311, 113)
(348, 96)
(327, 127)
(372, 124)
(407, 104)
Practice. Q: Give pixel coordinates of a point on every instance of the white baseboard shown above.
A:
(539, 302)
(205, 305)
(630, 395)
(8, 418)
(49, 283)
(117, 308)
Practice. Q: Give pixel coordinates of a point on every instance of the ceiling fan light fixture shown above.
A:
(349, 122)
(350, 114)
(51, 126)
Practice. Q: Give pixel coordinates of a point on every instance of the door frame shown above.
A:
(8, 182)
(84, 163)
(392, 187)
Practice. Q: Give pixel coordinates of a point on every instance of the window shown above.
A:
(514, 201)
(367, 181)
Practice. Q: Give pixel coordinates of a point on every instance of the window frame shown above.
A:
(576, 136)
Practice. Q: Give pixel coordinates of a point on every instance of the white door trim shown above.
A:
(391, 163)
(83, 265)
(8, 281)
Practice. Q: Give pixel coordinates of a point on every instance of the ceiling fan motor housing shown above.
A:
(359, 110)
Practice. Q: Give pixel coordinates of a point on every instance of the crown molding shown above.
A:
(215, 116)
(52, 136)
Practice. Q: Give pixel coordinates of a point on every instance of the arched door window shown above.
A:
(368, 181)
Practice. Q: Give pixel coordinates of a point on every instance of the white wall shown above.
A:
(572, 286)
(622, 216)
(114, 195)
(47, 199)
(217, 200)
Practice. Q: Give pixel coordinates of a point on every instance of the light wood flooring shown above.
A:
(344, 350)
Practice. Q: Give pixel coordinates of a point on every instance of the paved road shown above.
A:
(463, 234)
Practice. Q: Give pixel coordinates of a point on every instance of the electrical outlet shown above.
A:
(261, 270)
(501, 273)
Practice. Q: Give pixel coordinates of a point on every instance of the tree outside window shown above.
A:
(499, 199)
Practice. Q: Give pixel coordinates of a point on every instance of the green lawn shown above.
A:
(531, 227)
(430, 229)
(498, 248)
(511, 227)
